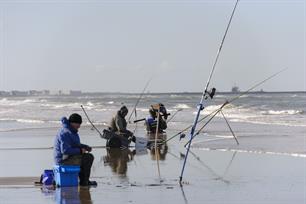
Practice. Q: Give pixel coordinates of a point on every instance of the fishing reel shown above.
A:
(210, 93)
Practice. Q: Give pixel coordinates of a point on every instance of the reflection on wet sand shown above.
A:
(63, 195)
(117, 159)
(162, 149)
(75, 195)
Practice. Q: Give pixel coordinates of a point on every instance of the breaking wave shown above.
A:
(282, 112)
(7, 102)
(181, 106)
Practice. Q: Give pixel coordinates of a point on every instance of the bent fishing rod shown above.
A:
(98, 131)
(176, 112)
(205, 93)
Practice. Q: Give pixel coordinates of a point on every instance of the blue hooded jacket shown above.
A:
(67, 142)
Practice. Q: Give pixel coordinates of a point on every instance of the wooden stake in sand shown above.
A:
(156, 135)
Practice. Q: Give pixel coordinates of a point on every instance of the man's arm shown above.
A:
(66, 146)
(119, 125)
(86, 147)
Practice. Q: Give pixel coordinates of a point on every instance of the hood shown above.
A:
(66, 124)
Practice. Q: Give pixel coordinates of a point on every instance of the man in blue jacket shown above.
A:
(68, 149)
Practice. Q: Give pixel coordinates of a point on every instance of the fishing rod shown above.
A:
(187, 128)
(138, 100)
(230, 128)
(143, 119)
(210, 119)
(206, 93)
(215, 112)
(174, 115)
(98, 131)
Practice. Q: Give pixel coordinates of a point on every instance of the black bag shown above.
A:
(115, 141)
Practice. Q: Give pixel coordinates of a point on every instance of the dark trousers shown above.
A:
(85, 162)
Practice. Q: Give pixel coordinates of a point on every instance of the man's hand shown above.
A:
(88, 149)
(83, 150)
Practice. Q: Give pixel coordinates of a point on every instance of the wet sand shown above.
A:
(131, 177)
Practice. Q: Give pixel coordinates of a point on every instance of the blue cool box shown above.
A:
(66, 175)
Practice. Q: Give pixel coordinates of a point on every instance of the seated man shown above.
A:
(151, 121)
(68, 149)
(118, 123)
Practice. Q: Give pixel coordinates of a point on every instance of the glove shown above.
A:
(88, 149)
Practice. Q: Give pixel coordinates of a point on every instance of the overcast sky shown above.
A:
(119, 45)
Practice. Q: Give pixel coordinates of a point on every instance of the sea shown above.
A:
(269, 123)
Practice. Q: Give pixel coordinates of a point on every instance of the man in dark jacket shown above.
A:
(118, 123)
(151, 121)
(68, 149)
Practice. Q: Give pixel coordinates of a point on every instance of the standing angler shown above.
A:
(68, 149)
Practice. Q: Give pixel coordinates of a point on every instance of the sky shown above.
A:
(117, 46)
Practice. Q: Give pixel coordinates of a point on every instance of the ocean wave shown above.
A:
(62, 105)
(209, 109)
(141, 109)
(175, 96)
(25, 120)
(30, 121)
(255, 116)
(220, 96)
(282, 112)
(181, 106)
(7, 102)
(270, 122)
(89, 103)
(22, 120)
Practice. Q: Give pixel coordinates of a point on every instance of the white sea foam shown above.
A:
(282, 112)
(181, 106)
(89, 103)
(255, 116)
(30, 121)
(271, 122)
(21, 120)
(7, 102)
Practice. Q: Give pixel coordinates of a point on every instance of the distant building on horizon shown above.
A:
(5, 93)
(19, 93)
(235, 89)
(75, 93)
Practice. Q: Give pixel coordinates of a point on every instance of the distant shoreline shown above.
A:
(151, 93)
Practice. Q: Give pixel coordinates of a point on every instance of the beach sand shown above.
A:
(132, 177)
